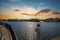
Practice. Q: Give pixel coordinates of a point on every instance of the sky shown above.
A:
(7, 7)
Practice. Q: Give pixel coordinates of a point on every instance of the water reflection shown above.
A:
(26, 30)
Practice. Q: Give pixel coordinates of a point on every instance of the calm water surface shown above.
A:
(26, 30)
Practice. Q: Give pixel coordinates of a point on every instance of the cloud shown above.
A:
(16, 12)
(24, 9)
(14, 0)
(42, 3)
(29, 10)
(44, 14)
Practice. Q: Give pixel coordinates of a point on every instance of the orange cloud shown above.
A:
(43, 14)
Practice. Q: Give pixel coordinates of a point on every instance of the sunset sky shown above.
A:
(13, 9)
